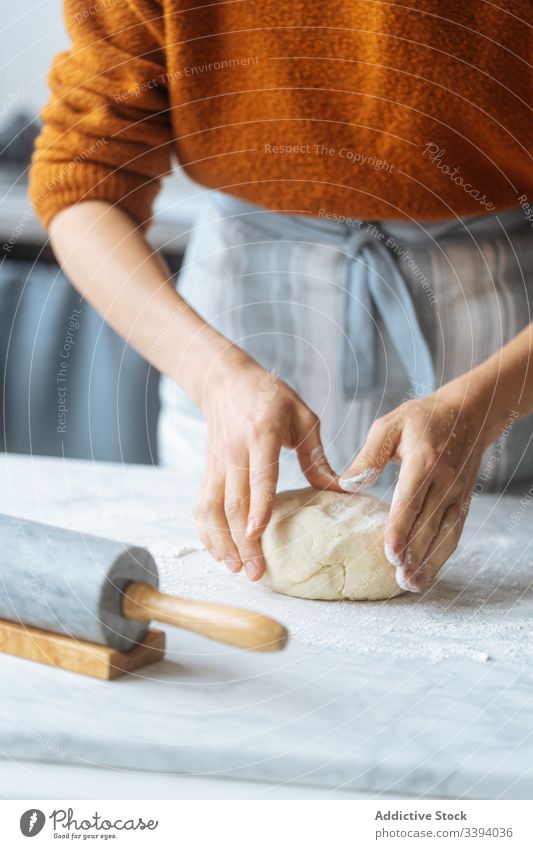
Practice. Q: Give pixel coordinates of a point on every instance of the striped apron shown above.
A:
(356, 316)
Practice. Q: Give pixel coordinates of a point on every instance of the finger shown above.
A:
(222, 538)
(264, 471)
(415, 476)
(448, 535)
(443, 545)
(379, 448)
(311, 454)
(426, 526)
(236, 503)
(212, 525)
(200, 515)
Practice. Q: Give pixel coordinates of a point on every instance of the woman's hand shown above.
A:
(250, 415)
(439, 441)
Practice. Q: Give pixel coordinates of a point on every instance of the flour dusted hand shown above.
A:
(326, 545)
(251, 414)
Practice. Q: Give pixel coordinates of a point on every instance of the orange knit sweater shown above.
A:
(366, 108)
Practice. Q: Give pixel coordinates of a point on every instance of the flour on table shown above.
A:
(187, 547)
(479, 608)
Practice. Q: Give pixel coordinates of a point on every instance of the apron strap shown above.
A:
(376, 287)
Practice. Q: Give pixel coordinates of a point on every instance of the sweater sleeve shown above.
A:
(106, 131)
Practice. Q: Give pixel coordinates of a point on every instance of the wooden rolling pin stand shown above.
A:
(234, 626)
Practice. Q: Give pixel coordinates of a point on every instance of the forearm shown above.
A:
(106, 257)
(501, 387)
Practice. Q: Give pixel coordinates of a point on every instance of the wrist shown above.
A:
(217, 370)
(197, 357)
(479, 396)
(226, 365)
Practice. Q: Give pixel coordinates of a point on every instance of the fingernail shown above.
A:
(423, 584)
(356, 482)
(215, 555)
(233, 564)
(393, 558)
(251, 527)
(252, 570)
(404, 582)
(421, 581)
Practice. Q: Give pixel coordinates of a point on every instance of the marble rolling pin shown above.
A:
(84, 603)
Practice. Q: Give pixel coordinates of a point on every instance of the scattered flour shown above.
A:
(188, 548)
(480, 608)
(475, 610)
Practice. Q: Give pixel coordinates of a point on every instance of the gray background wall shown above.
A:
(109, 392)
(32, 32)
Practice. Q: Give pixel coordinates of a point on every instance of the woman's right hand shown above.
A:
(251, 414)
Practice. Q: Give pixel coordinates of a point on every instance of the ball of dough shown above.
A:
(328, 545)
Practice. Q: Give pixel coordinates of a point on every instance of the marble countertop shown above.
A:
(422, 696)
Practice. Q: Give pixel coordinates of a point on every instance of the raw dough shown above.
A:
(327, 545)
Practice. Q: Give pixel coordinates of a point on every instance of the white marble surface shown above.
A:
(420, 696)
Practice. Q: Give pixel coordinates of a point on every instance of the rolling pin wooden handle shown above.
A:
(232, 625)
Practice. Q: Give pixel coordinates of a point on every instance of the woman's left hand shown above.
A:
(439, 441)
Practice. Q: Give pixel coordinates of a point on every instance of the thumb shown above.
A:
(380, 446)
(311, 454)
